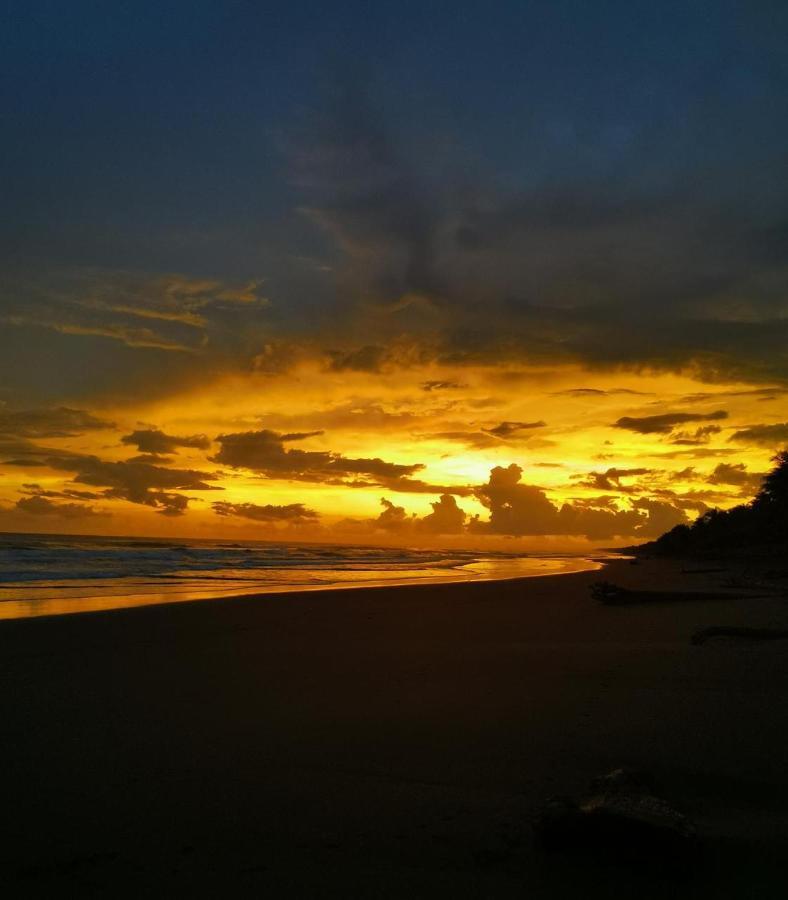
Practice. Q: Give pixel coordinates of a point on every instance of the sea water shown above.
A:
(55, 574)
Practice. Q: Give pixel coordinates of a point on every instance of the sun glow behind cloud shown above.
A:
(349, 456)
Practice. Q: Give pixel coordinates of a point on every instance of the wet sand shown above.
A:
(388, 742)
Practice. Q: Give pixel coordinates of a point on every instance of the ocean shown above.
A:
(57, 574)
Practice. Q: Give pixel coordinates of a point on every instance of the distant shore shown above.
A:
(389, 742)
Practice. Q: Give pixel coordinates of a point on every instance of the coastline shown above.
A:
(385, 741)
(23, 608)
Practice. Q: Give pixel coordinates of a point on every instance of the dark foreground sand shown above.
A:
(386, 743)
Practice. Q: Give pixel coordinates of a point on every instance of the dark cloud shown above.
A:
(478, 440)
(661, 516)
(299, 435)
(696, 453)
(762, 435)
(767, 393)
(365, 194)
(264, 452)
(697, 437)
(736, 474)
(50, 423)
(494, 267)
(291, 512)
(165, 312)
(516, 508)
(140, 482)
(595, 392)
(393, 518)
(39, 505)
(442, 385)
(35, 490)
(521, 509)
(135, 337)
(446, 517)
(156, 442)
(417, 486)
(24, 453)
(665, 422)
(364, 359)
(505, 429)
(610, 480)
(137, 482)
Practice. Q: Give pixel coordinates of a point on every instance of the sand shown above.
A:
(390, 742)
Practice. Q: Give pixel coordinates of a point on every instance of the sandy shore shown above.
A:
(391, 742)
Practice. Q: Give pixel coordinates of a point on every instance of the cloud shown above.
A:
(516, 508)
(585, 392)
(520, 509)
(393, 518)
(697, 453)
(610, 480)
(154, 441)
(50, 423)
(552, 269)
(762, 435)
(39, 505)
(478, 440)
(141, 483)
(661, 516)
(364, 359)
(264, 452)
(35, 490)
(291, 512)
(131, 336)
(736, 474)
(437, 385)
(695, 438)
(137, 482)
(446, 517)
(666, 422)
(365, 194)
(169, 298)
(759, 394)
(417, 486)
(506, 429)
(110, 304)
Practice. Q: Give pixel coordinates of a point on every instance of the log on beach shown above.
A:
(614, 595)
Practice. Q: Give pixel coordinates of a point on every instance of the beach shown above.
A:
(390, 741)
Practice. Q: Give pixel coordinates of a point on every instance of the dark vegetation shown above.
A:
(759, 527)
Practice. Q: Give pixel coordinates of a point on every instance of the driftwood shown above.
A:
(614, 595)
(749, 634)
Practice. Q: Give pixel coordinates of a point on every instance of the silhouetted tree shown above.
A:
(774, 490)
(761, 524)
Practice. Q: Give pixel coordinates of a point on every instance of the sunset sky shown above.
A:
(500, 275)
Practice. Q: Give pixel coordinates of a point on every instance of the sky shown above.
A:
(505, 275)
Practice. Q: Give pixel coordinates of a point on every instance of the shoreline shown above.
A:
(21, 608)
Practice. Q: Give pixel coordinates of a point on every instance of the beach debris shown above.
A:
(614, 595)
(750, 634)
(621, 819)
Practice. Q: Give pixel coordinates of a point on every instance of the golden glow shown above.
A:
(457, 431)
